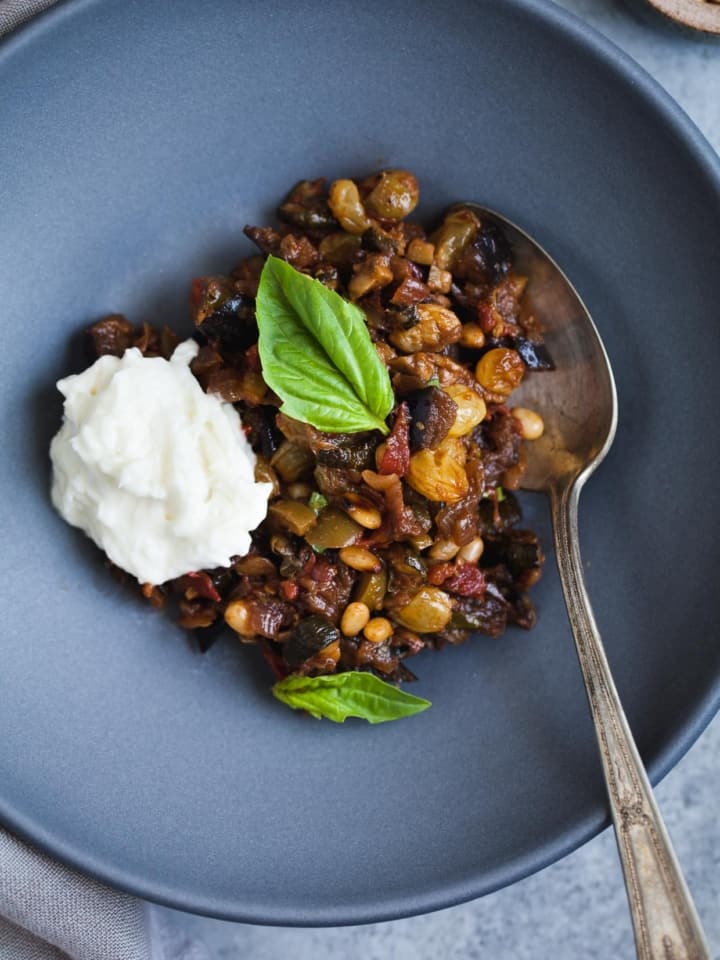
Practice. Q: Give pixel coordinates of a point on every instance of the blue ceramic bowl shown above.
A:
(136, 140)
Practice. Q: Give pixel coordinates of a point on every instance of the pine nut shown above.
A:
(237, 617)
(472, 551)
(443, 550)
(422, 541)
(378, 630)
(354, 618)
(368, 517)
(530, 423)
(360, 559)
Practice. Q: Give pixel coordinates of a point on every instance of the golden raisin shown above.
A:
(500, 370)
(394, 195)
(439, 474)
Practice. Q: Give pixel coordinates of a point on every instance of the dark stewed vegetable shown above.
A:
(487, 258)
(222, 314)
(306, 206)
(309, 637)
(112, 335)
(534, 354)
(432, 414)
(518, 550)
(384, 541)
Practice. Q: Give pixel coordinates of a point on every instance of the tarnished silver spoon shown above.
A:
(578, 403)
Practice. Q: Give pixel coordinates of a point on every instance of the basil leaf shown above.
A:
(317, 355)
(341, 695)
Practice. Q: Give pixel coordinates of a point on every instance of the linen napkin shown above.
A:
(15, 12)
(47, 911)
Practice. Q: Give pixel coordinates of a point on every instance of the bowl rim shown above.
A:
(688, 727)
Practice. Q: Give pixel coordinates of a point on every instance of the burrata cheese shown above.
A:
(157, 472)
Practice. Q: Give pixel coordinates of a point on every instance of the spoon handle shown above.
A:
(665, 923)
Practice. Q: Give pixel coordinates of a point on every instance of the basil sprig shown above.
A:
(341, 695)
(317, 354)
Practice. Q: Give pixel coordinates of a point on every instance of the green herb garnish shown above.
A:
(317, 501)
(341, 695)
(317, 355)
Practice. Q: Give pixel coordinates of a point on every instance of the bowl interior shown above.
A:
(136, 141)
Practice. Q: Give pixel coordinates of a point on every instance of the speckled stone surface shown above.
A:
(575, 908)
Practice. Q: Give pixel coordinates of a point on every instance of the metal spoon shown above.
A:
(578, 403)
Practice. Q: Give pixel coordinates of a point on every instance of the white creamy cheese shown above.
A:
(158, 473)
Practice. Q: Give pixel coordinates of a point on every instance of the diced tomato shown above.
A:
(463, 579)
(289, 589)
(204, 586)
(396, 458)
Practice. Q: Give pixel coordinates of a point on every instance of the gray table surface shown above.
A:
(575, 908)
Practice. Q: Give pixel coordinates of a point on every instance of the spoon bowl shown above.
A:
(578, 399)
(578, 403)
